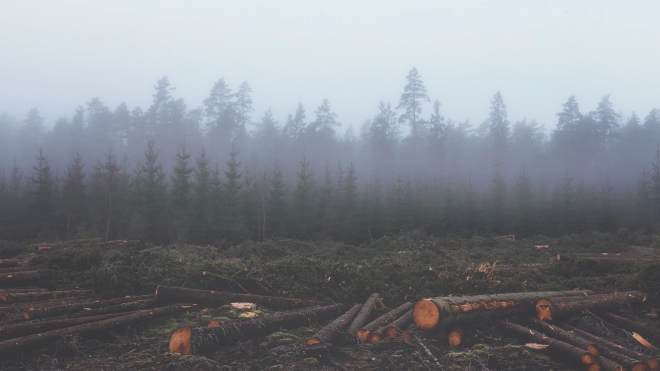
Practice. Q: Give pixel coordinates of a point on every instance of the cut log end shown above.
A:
(363, 335)
(426, 314)
(594, 367)
(654, 364)
(26, 315)
(313, 341)
(543, 311)
(640, 367)
(374, 338)
(593, 349)
(455, 338)
(391, 331)
(586, 358)
(406, 336)
(180, 341)
(213, 323)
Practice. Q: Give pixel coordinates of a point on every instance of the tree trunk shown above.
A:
(562, 310)
(330, 332)
(641, 327)
(29, 296)
(543, 305)
(567, 351)
(450, 311)
(181, 294)
(632, 359)
(201, 340)
(399, 326)
(455, 336)
(8, 262)
(16, 291)
(67, 243)
(23, 329)
(565, 336)
(36, 313)
(365, 331)
(24, 278)
(23, 343)
(363, 316)
(602, 256)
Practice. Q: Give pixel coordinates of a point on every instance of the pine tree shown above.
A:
(295, 126)
(243, 104)
(180, 195)
(412, 98)
(498, 125)
(570, 116)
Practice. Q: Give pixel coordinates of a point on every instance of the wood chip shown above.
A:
(244, 306)
(536, 346)
(643, 341)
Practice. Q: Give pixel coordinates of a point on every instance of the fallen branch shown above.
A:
(16, 345)
(363, 316)
(619, 350)
(451, 311)
(330, 332)
(181, 294)
(226, 279)
(365, 331)
(23, 329)
(39, 295)
(36, 313)
(201, 340)
(565, 336)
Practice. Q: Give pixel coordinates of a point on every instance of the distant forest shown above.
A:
(220, 173)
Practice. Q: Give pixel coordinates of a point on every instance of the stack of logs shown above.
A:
(87, 241)
(445, 317)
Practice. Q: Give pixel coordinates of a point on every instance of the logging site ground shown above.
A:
(402, 268)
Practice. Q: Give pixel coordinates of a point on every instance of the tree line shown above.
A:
(209, 174)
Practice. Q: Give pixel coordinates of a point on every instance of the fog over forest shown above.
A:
(173, 171)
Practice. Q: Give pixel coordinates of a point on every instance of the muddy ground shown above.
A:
(402, 268)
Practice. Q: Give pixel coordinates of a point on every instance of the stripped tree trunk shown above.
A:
(559, 310)
(181, 294)
(330, 332)
(364, 332)
(543, 310)
(201, 340)
(566, 336)
(363, 316)
(399, 326)
(36, 313)
(30, 328)
(450, 311)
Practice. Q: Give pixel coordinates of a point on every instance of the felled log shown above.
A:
(22, 290)
(601, 256)
(24, 278)
(29, 328)
(182, 294)
(23, 343)
(363, 316)
(330, 332)
(455, 336)
(201, 340)
(118, 242)
(399, 326)
(451, 311)
(543, 306)
(364, 332)
(517, 267)
(231, 281)
(641, 327)
(567, 351)
(565, 336)
(616, 349)
(36, 313)
(8, 263)
(558, 310)
(66, 243)
(39, 295)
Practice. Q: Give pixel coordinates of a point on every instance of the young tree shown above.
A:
(43, 194)
(180, 195)
(524, 203)
(232, 197)
(414, 95)
(202, 201)
(277, 201)
(151, 191)
(303, 216)
(498, 220)
(74, 193)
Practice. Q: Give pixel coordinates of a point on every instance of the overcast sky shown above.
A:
(57, 55)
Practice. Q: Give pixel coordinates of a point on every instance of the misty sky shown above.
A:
(59, 54)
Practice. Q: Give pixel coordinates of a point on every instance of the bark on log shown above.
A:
(329, 333)
(617, 350)
(36, 313)
(543, 306)
(123, 307)
(23, 329)
(562, 310)
(24, 278)
(399, 326)
(231, 281)
(641, 327)
(363, 316)
(450, 311)
(602, 256)
(201, 340)
(29, 296)
(8, 263)
(67, 243)
(182, 294)
(565, 336)
(455, 336)
(22, 290)
(23, 343)
(364, 332)
(567, 351)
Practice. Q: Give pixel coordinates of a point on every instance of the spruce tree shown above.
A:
(277, 202)
(232, 198)
(152, 194)
(180, 195)
(43, 194)
(303, 217)
(524, 199)
(74, 194)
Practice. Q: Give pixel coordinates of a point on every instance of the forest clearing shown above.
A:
(89, 305)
